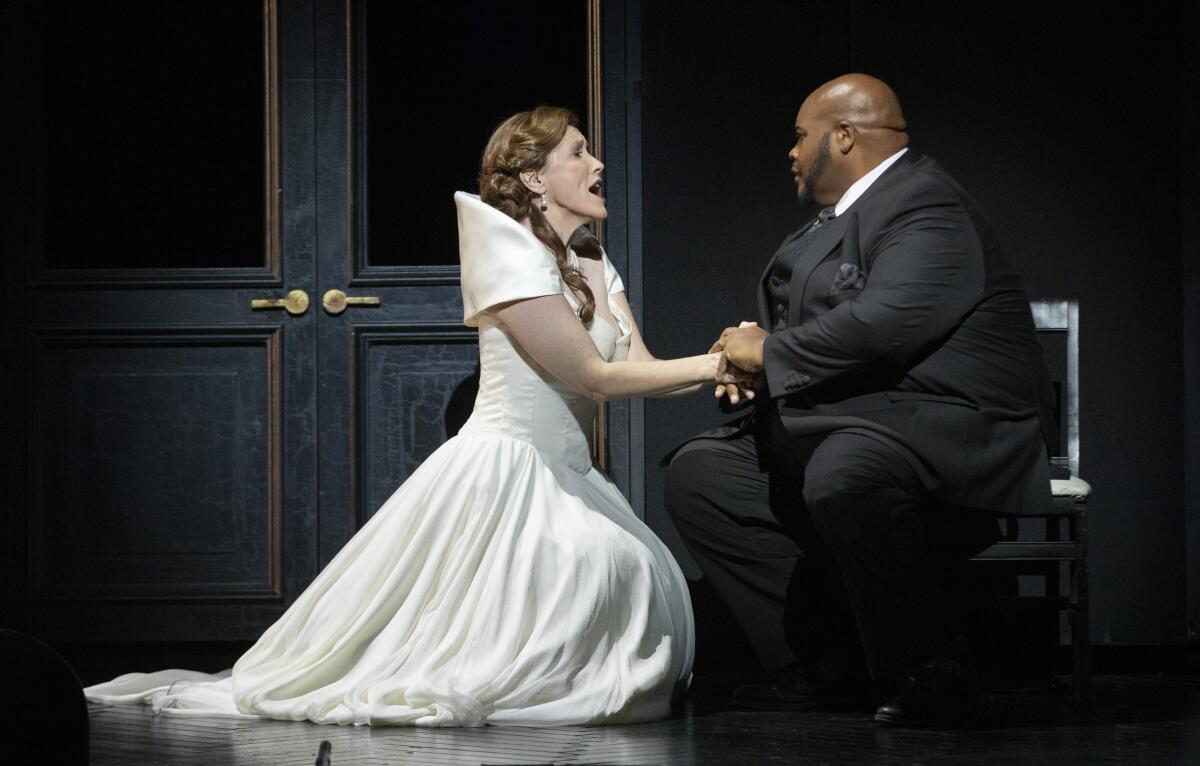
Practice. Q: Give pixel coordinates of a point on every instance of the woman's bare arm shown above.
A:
(639, 352)
(549, 332)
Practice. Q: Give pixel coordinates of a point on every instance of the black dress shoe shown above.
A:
(937, 693)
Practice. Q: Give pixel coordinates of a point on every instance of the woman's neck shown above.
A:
(564, 225)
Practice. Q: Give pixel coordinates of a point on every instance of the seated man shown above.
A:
(901, 400)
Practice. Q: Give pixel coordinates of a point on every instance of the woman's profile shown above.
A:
(507, 581)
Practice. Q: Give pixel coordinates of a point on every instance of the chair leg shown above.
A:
(1053, 583)
(1080, 597)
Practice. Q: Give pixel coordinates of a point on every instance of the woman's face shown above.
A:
(571, 179)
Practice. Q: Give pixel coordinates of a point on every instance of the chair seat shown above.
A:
(1069, 498)
(1072, 487)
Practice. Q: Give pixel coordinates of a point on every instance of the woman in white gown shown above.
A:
(507, 581)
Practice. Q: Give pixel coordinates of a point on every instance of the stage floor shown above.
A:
(1135, 719)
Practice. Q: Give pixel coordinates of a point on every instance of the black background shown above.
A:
(1067, 124)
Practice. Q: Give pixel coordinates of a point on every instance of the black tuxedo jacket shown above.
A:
(906, 318)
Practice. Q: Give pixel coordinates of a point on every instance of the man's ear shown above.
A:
(529, 177)
(843, 136)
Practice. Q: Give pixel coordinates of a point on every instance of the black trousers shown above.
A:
(826, 548)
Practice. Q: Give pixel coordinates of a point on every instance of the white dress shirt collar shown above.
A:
(861, 185)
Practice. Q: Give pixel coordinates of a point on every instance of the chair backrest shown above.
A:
(1057, 325)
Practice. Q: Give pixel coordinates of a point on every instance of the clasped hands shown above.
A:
(741, 361)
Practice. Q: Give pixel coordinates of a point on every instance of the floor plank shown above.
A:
(1135, 720)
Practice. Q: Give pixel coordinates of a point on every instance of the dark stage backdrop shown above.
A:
(1066, 126)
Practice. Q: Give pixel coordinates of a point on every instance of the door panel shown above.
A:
(417, 386)
(421, 124)
(146, 102)
(157, 458)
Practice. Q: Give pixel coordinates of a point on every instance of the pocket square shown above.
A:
(848, 277)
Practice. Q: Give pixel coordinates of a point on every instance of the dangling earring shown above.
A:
(543, 204)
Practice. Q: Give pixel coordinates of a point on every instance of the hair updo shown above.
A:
(524, 142)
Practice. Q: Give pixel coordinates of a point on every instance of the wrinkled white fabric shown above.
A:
(507, 581)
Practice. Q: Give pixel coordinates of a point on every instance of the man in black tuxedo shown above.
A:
(900, 400)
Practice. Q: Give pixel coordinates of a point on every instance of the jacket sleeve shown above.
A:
(925, 274)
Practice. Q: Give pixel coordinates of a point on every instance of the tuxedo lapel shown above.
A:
(764, 313)
(824, 242)
(841, 230)
(764, 281)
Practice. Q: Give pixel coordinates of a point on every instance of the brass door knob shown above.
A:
(336, 301)
(296, 303)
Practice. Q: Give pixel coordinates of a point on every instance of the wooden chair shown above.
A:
(1046, 544)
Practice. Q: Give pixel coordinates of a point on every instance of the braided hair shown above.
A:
(523, 142)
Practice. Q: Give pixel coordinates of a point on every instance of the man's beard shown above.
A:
(819, 165)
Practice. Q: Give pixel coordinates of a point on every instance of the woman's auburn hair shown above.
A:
(524, 142)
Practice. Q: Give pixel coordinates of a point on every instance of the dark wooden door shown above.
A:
(169, 441)
(397, 135)
(203, 422)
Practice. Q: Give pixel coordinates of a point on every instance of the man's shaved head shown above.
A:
(861, 100)
(844, 129)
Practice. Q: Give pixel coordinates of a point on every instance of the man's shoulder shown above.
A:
(918, 183)
(920, 172)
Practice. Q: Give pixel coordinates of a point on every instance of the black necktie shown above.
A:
(825, 216)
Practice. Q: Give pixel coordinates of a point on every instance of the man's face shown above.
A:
(810, 158)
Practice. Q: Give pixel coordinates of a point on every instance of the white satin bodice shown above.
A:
(502, 261)
(518, 399)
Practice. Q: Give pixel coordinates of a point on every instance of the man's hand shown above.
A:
(743, 348)
(725, 335)
(731, 381)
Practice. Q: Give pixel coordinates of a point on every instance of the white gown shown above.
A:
(507, 581)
